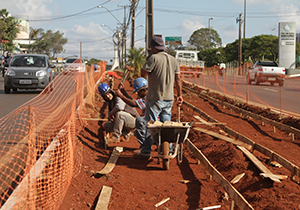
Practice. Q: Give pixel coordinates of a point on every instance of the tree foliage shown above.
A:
(8, 30)
(200, 39)
(46, 42)
(92, 61)
(136, 59)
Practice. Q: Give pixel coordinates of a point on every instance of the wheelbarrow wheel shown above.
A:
(165, 152)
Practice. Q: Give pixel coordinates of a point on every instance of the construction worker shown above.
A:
(140, 86)
(121, 117)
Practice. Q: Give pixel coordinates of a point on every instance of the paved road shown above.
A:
(263, 93)
(287, 98)
(9, 102)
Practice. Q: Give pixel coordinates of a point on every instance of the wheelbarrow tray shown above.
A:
(169, 131)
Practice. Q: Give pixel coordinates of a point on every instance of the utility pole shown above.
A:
(149, 25)
(209, 27)
(240, 21)
(124, 39)
(244, 19)
(133, 2)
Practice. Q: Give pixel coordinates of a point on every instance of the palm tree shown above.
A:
(35, 32)
(136, 59)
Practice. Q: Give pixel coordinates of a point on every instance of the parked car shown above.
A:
(266, 71)
(28, 71)
(74, 64)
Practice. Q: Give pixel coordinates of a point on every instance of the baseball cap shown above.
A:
(158, 43)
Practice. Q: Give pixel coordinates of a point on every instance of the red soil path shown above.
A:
(140, 184)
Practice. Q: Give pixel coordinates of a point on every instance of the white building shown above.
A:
(23, 35)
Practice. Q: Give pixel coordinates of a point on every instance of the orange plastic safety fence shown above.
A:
(233, 81)
(39, 151)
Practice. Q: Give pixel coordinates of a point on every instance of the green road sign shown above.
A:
(173, 40)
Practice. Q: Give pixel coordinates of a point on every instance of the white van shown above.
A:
(188, 58)
(186, 55)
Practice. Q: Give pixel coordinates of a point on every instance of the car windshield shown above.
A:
(28, 60)
(72, 60)
(266, 63)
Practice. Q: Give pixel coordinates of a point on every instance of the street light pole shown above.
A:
(209, 31)
(107, 27)
(110, 13)
(123, 32)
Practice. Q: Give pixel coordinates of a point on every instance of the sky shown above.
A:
(82, 21)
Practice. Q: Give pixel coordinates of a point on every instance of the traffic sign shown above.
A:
(173, 40)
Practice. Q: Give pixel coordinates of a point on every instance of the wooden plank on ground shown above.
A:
(111, 161)
(237, 178)
(104, 198)
(265, 171)
(203, 121)
(239, 200)
(225, 138)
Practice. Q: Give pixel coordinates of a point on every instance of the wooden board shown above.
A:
(203, 121)
(225, 138)
(239, 200)
(237, 178)
(104, 198)
(265, 171)
(111, 161)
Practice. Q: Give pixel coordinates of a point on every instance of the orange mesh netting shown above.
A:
(234, 83)
(39, 150)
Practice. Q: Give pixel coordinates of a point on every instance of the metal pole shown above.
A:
(209, 31)
(149, 25)
(124, 38)
(244, 19)
(132, 23)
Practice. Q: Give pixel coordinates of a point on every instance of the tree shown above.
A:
(35, 32)
(200, 39)
(264, 47)
(46, 42)
(8, 30)
(136, 59)
(93, 61)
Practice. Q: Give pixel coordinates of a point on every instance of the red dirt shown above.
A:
(140, 184)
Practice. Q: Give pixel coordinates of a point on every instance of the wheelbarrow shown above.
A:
(169, 132)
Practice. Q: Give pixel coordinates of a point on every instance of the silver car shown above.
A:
(74, 64)
(28, 71)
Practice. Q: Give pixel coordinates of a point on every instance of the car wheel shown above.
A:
(272, 83)
(15, 89)
(280, 82)
(6, 90)
(256, 80)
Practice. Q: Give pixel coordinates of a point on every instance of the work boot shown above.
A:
(128, 136)
(114, 139)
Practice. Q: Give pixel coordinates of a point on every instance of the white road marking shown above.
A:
(271, 90)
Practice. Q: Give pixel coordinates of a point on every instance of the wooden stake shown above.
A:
(104, 197)
(162, 202)
(232, 205)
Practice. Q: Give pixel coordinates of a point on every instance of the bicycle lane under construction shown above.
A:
(141, 184)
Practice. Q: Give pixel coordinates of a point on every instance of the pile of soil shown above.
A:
(140, 184)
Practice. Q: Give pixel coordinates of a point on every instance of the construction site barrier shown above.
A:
(233, 81)
(40, 153)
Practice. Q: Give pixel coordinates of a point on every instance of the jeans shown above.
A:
(154, 109)
(122, 124)
(140, 130)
